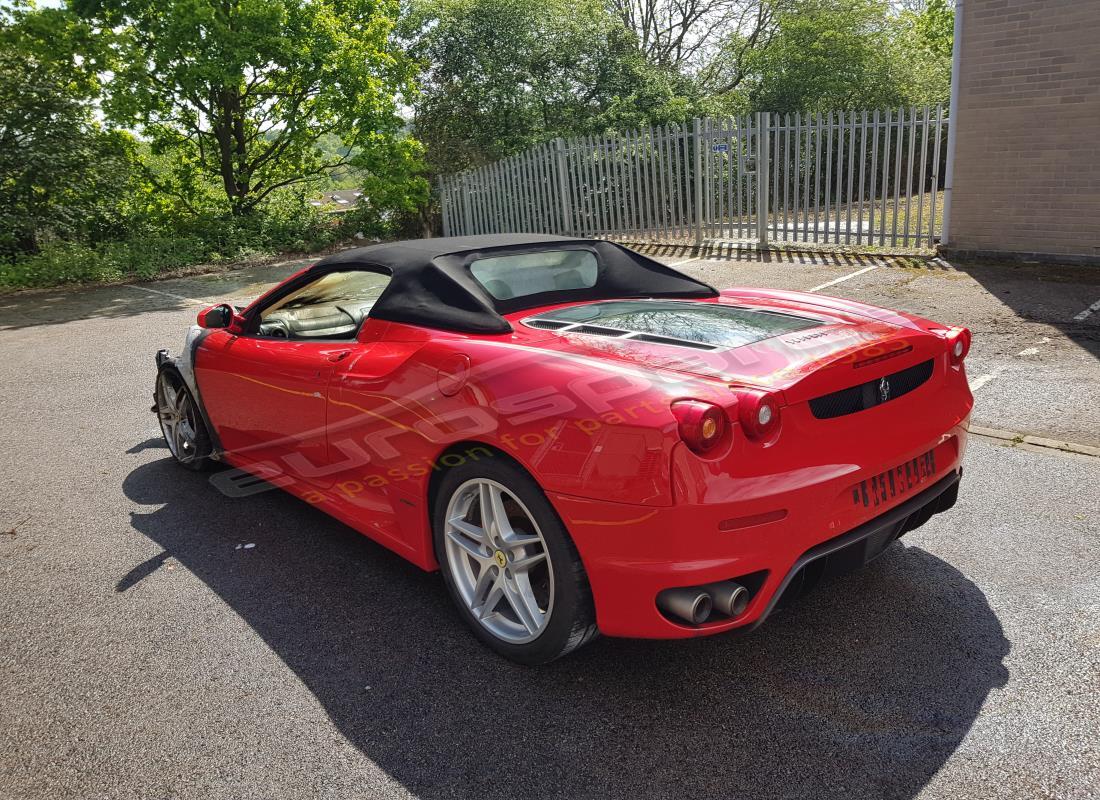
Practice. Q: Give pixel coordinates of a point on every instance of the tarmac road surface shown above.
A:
(146, 652)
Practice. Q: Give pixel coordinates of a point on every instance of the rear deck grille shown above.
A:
(870, 394)
(656, 339)
(597, 330)
(615, 333)
(547, 324)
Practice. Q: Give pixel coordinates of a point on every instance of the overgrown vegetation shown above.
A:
(137, 137)
(281, 227)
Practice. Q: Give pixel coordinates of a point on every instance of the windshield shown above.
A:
(357, 286)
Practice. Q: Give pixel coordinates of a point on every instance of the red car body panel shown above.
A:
(359, 429)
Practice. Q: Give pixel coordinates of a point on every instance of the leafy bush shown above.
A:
(284, 225)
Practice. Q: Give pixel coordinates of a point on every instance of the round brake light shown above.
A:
(959, 344)
(758, 413)
(702, 425)
(764, 415)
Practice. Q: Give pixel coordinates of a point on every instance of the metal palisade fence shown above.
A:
(847, 177)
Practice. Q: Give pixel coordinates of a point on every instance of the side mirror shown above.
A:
(219, 316)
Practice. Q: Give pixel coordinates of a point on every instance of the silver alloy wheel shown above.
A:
(176, 413)
(499, 560)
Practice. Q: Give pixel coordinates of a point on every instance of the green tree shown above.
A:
(826, 54)
(62, 175)
(851, 54)
(921, 49)
(395, 190)
(240, 92)
(934, 27)
(502, 75)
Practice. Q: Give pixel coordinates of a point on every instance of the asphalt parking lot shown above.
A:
(146, 653)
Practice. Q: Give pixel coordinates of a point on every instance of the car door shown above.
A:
(382, 404)
(267, 397)
(266, 389)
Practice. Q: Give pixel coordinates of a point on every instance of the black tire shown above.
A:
(572, 617)
(195, 456)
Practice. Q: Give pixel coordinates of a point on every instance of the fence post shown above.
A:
(563, 187)
(466, 227)
(443, 211)
(763, 170)
(697, 131)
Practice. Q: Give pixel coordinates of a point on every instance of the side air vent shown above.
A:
(872, 393)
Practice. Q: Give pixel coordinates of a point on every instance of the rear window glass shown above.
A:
(706, 323)
(506, 277)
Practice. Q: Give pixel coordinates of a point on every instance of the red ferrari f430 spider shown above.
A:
(579, 438)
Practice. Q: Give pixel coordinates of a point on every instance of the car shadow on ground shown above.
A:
(778, 254)
(864, 689)
(1050, 294)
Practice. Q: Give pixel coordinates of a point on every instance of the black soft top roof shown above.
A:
(431, 284)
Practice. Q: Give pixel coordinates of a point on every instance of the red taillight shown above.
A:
(758, 413)
(958, 345)
(703, 426)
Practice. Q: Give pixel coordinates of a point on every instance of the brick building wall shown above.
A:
(1027, 158)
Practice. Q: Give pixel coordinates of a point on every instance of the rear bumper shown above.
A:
(631, 553)
(861, 545)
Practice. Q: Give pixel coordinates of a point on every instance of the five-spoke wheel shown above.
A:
(180, 421)
(498, 559)
(509, 562)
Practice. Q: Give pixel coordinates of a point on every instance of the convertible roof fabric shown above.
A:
(431, 284)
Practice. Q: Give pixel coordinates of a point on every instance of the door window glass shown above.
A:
(331, 307)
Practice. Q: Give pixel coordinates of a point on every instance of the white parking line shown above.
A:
(1084, 314)
(982, 380)
(685, 261)
(190, 300)
(845, 278)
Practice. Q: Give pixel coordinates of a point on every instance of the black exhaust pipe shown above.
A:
(690, 605)
(728, 597)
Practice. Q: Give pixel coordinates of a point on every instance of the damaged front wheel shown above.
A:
(180, 421)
